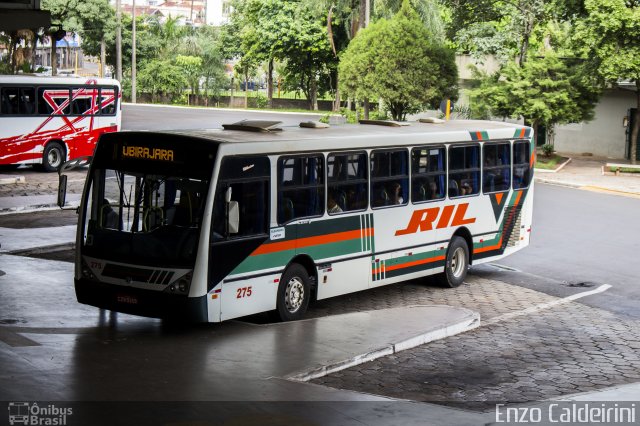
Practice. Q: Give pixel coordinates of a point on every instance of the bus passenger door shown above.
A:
(243, 186)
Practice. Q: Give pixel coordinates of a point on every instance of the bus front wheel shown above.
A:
(294, 292)
(53, 157)
(456, 264)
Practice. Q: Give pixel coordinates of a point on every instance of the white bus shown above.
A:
(219, 224)
(48, 120)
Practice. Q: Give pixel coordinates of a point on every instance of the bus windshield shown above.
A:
(146, 218)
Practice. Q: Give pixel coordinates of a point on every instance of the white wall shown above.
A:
(604, 136)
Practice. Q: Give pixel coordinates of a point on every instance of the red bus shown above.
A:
(48, 120)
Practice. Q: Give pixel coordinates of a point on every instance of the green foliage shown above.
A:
(610, 36)
(269, 30)
(544, 91)
(191, 67)
(261, 101)
(505, 28)
(161, 77)
(547, 150)
(399, 61)
(350, 116)
(325, 118)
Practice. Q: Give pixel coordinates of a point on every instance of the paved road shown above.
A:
(583, 237)
(145, 117)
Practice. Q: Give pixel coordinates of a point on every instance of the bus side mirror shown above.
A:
(227, 195)
(62, 190)
(234, 217)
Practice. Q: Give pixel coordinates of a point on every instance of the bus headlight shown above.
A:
(184, 283)
(181, 285)
(86, 272)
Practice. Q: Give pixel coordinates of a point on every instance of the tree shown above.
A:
(545, 91)
(161, 77)
(399, 60)
(609, 38)
(192, 69)
(503, 28)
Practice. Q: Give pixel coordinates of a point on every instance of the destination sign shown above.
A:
(146, 153)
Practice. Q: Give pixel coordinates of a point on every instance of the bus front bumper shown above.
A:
(146, 303)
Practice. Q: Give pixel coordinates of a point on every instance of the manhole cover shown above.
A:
(581, 284)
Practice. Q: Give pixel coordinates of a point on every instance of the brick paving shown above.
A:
(567, 349)
(40, 183)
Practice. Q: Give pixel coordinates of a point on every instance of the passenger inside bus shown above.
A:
(186, 209)
(109, 219)
(332, 205)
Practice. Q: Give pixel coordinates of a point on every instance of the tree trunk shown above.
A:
(246, 89)
(314, 93)
(551, 134)
(365, 108)
(636, 127)
(528, 28)
(270, 84)
(34, 45)
(103, 56)
(54, 57)
(336, 103)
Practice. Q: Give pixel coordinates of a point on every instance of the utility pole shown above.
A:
(118, 42)
(364, 24)
(133, 57)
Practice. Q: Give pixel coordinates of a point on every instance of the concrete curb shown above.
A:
(556, 170)
(319, 114)
(470, 323)
(558, 182)
(587, 187)
(8, 180)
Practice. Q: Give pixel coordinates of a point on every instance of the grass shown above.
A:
(549, 163)
(624, 169)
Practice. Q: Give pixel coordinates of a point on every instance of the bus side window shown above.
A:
(300, 187)
(27, 101)
(9, 105)
(428, 173)
(464, 170)
(389, 177)
(347, 182)
(521, 164)
(53, 101)
(496, 168)
(248, 180)
(108, 101)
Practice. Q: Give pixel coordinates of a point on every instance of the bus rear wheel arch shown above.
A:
(53, 156)
(456, 263)
(294, 293)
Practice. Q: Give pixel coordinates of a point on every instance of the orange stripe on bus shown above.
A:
(409, 264)
(499, 198)
(532, 160)
(311, 241)
(479, 135)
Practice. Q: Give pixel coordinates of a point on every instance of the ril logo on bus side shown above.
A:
(437, 218)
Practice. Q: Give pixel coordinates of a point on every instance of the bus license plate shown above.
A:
(126, 298)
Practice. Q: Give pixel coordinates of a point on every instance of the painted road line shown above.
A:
(544, 306)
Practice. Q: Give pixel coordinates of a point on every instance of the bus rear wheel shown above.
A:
(294, 292)
(53, 157)
(456, 264)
